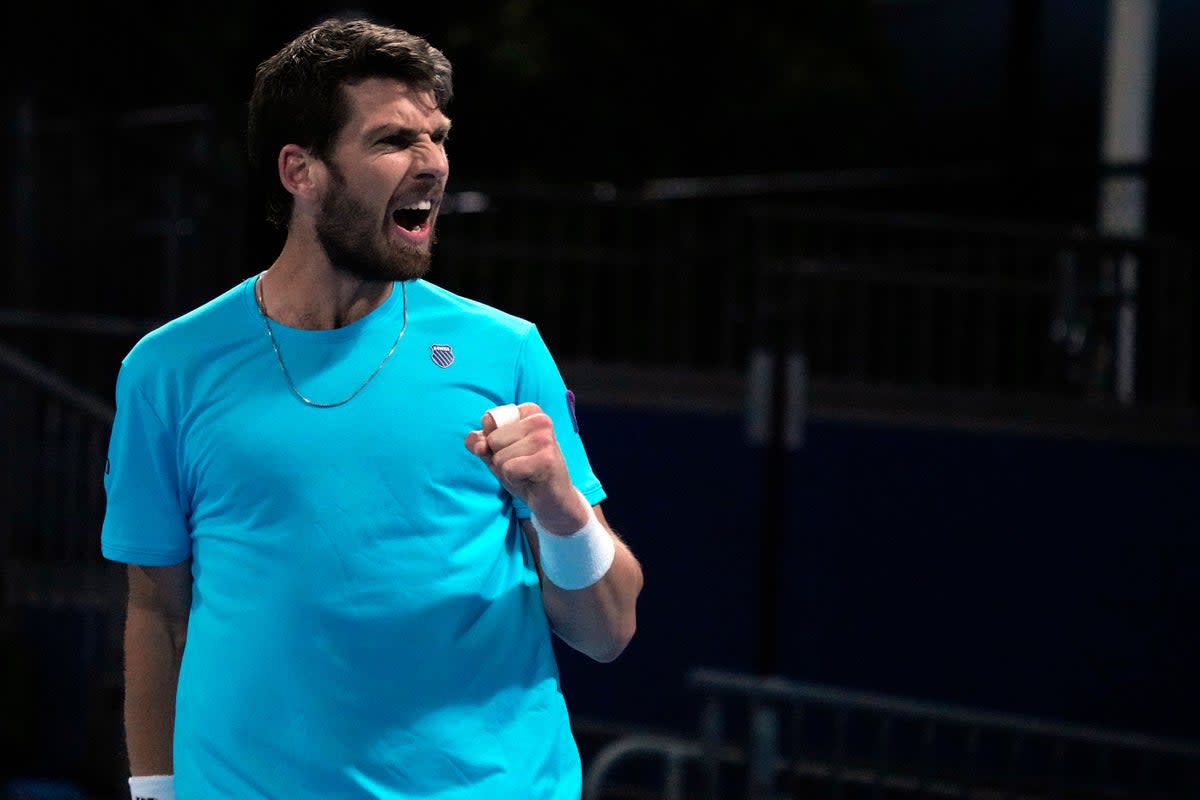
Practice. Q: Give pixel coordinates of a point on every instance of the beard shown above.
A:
(356, 246)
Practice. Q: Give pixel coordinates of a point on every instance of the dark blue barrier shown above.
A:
(683, 491)
(1012, 572)
(53, 727)
(1000, 571)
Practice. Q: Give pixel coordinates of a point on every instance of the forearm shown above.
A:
(153, 651)
(599, 620)
(593, 608)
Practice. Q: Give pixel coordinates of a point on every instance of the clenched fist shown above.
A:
(524, 455)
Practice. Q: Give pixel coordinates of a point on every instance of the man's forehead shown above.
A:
(378, 101)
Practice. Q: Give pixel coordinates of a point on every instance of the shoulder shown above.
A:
(464, 312)
(191, 338)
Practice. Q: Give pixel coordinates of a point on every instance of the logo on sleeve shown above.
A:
(442, 354)
(571, 408)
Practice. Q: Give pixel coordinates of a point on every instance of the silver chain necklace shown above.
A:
(262, 309)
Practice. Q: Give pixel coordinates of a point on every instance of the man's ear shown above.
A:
(301, 173)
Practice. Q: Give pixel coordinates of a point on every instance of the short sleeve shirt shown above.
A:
(366, 617)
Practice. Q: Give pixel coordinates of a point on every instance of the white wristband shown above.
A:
(580, 559)
(152, 787)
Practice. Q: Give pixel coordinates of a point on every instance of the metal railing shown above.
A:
(61, 603)
(610, 279)
(955, 318)
(51, 475)
(870, 298)
(770, 738)
(884, 301)
(1002, 316)
(934, 302)
(665, 273)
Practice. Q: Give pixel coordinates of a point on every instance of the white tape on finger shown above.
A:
(503, 415)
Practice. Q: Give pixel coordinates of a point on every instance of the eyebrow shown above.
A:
(392, 129)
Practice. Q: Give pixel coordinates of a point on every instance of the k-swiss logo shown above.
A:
(442, 354)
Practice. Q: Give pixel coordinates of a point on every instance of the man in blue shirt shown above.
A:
(354, 505)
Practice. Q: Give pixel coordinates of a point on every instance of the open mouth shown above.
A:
(413, 218)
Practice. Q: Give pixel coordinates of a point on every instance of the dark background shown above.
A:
(996, 569)
(624, 92)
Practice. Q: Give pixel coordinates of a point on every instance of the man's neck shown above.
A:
(303, 290)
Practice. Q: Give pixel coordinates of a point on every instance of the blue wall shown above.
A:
(1010, 572)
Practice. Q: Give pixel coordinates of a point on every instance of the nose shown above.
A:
(432, 164)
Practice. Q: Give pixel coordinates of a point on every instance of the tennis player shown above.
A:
(354, 505)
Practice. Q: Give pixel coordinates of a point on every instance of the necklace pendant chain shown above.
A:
(262, 309)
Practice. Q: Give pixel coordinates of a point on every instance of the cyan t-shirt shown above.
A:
(366, 618)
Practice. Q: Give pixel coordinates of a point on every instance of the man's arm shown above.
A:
(599, 620)
(155, 632)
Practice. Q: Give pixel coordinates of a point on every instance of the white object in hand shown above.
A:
(503, 415)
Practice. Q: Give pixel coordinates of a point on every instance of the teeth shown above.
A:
(423, 205)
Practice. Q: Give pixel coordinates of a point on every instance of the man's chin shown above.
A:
(407, 268)
(413, 266)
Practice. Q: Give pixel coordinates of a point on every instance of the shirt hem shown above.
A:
(144, 558)
(594, 496)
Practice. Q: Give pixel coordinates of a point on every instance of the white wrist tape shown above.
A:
(152, 787)
(580, 559)
(503, 415)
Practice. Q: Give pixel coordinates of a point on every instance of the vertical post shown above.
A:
(1124, 151)
(712, 726)
(777, 409)
(776, 390)
(774, 512)
(764, 751)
